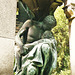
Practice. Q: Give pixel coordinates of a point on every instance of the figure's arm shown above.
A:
(45, 38)
(31, 45)
(22, 32)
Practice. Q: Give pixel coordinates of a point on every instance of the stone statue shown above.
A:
(69, 9)
(35, 52)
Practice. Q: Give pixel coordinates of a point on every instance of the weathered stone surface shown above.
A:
(6, 56)
(7, 33)
(72, 47)
(7, 18)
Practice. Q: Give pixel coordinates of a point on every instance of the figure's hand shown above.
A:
(21, 49)
(29, 46)
(24, 50)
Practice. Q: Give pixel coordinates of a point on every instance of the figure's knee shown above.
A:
(45, 48)
(31, 70)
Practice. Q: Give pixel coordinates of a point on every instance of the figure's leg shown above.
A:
(18, 58)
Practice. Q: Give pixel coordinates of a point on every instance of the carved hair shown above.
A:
(50, 21)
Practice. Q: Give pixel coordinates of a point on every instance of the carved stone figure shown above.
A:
(35, 50)
(69, 9)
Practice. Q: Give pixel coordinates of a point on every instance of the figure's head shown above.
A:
(47, 34)
(49, 22)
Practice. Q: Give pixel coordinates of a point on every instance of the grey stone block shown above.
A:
(7, 18)
(6, 56)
